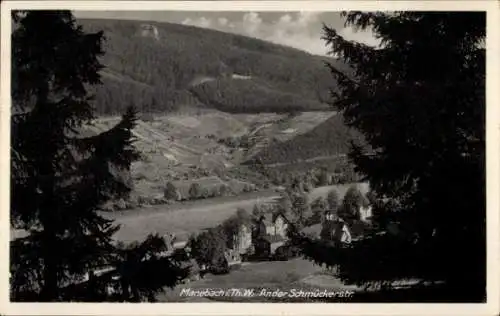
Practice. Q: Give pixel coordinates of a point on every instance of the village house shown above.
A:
(270, 233)
(266, 245)
(273, 224)
(263, 238)
(242, 240)
(365, 213)
(334, 228)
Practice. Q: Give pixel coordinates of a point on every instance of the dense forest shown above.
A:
(155, 64)
(330, 138)
(250, 96)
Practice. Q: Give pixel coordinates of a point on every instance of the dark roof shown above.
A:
(270, 218)
(278, 214)
(335, 227)
(359, 229)
(266, 219)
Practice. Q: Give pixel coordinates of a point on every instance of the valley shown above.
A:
(195, 146)
(158, 153)
(228, 130)
(224, 126)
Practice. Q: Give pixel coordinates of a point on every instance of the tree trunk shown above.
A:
(48, 208)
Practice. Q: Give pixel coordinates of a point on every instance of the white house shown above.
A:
(242, 241)
(365, 213)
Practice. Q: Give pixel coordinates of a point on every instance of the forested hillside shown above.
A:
(156, 66)
(251, 96)
(330, 138)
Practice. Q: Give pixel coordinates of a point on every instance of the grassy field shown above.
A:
(183, 146)
(271, 275)
(185, 218)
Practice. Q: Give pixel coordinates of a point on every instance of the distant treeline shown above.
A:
(248, 96)
(113, 95)
(330, 138)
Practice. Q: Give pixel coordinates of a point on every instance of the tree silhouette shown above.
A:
(143, 271)
(208, 247)
(60, 177)
(318, 208)
(323, 177)
(171, 192)
(257, 212)
(332, 200)
(195, 191)
(419, 99)
(301, 208)
(352, 201)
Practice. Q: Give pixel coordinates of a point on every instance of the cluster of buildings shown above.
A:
(260, 239)
(337, 229)
(263, 238)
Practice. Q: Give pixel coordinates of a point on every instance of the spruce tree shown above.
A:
(301, 208)
(318, 207)
(59, 177)
(419, 99)
(352, 201)
(257, 212)
(332, 200)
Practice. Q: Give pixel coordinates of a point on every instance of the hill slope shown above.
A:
(158, 66)
(331, 138)
(162, 67)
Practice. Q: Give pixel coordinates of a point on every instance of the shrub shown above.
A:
(216, 191)
(224, 190)
(195, 191)
(248, 187)
(332, 200)
(171, 192)
(107, 207)
(282, 253)
(205, 193)
(221, 266)
(120, 204)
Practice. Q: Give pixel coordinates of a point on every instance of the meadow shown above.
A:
(298, 274)
(183, 218)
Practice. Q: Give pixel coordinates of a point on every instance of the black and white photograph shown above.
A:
(247, 156)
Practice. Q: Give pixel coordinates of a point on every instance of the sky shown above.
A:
(300, 30)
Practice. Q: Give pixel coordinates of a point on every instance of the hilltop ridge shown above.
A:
(153, 65)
